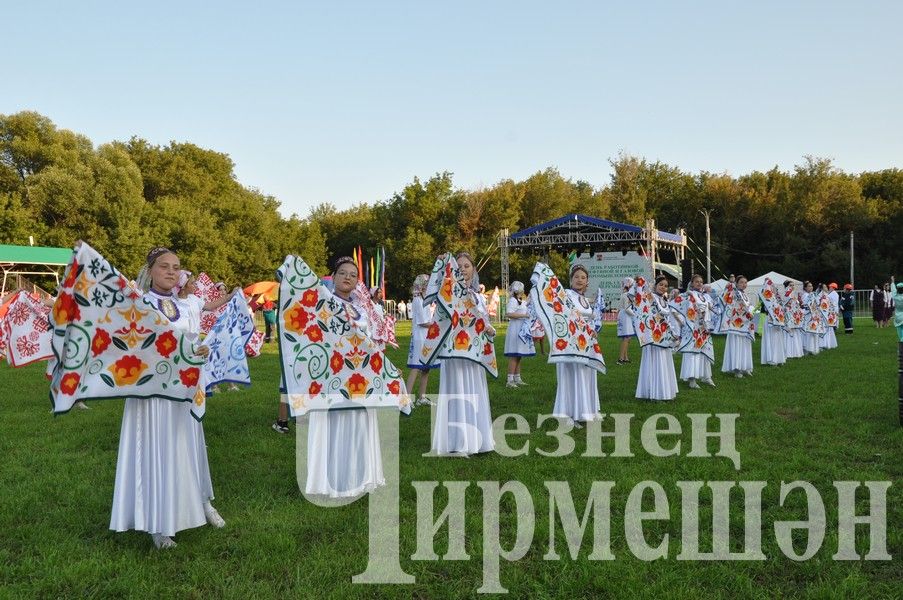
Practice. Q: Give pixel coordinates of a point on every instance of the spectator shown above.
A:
(877, 300)
(888, 304)
(847, 304)
(402, 310)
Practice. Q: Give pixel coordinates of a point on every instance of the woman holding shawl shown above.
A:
(773, 334)
(577, 395)
(345, 459)
(463, 424)
(697, 354)
(740, 328)
(657, 379)
(809, 302)
(162, 475)
(827, 306)
(793, 322)
(515, 347)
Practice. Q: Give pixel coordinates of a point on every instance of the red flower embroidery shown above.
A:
(487, 348)
(26, 347)
(70, 276)
(65, 309)
(127, 370)
(314, 388)
(433, 332)
(190, 376)
(560, 344)
(166, 344)
(336, 363)
(100, 342)
(479, 326)
(455, 319)
(356, 385)
(394, 387)
(69, 383)
(297, 318)
(557, 306)
(597, 349)
(314, 333)
(309, 298)
(572, 328)
(376, 363)
(462, 340)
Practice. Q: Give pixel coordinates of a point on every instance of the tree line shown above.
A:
(126, 196)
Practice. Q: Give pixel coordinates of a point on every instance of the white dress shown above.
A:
(811, 341)
(738, 347)
(772, 352)
(343, 450)
(420, 315)
(694, 365)
(829, 340)
(514, 346)
(162, 474)
(577, 396)
(625, 319)
(657, 379)
(463, 423)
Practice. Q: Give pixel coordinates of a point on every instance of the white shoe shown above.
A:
(520, 382)
(709, 382)
(163, 542)
(82, 405)
(748, 373)
(693, 384)
(213, 517)
(511, 384)
(738, 375)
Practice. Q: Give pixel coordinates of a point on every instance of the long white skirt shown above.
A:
(343, 450)
(810, 343)
(625, 325)
(577, 397)
(657, 379)
(514, 346)
(829, 340)
(773, 345)
(463, 420)
(793, 343)
(158, 487)
(694, 365)
(737, 354)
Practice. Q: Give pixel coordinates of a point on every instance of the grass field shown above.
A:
(817, 419)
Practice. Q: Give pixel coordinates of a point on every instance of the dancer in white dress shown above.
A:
(695, 365)
(657, 380)
(162, 476)
(738, 346)
(625, 321)
(772, 352)
(577, 395)
(515, 347)
(344, 456)
(463, 424)
(809, 303)
(793, 319)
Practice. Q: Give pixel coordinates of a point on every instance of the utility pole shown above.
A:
(851, 261)
(708, 246)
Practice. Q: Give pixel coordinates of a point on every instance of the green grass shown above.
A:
(818, 419)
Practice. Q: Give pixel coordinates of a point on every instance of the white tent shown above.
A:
(755, 285)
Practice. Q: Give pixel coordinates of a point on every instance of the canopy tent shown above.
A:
(16, 261)
(591, 234)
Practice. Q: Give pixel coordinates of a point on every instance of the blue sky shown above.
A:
(347, 102)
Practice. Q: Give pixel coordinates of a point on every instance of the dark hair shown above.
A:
(342, 260)
(739, 277)
(579, 267)
(694, 276)
(787, 283)
(660, 278)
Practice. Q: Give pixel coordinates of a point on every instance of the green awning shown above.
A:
(35, 255)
